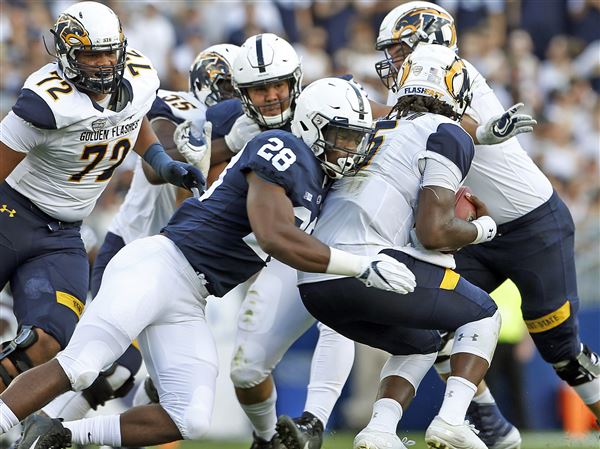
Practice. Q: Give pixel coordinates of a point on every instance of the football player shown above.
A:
(267, 76)
(73, 124)
(535, 245)
(147, 209)
(418, 162)
(155, 288)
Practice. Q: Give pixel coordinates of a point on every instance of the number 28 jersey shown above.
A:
(214, 232)
(73, 143)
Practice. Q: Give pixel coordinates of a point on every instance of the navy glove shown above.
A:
(183, 174)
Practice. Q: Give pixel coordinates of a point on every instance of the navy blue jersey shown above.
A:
(223, 115)
(214, 232)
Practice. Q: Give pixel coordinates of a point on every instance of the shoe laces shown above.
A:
(472, 427)
(407, 442)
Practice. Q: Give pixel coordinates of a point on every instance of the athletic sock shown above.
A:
(263, 416)
(100, 430)
(459, 393)
(386, 415)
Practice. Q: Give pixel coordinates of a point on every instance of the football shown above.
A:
(463, 208)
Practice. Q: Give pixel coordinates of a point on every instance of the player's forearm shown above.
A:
(297, 249)
(446, 235)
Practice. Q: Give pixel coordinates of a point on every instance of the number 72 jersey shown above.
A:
(214, 232)
(74, 144)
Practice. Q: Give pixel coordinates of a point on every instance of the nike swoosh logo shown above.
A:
(34, 442)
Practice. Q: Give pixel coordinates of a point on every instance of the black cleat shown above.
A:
(41, 432)
(305, 432)
(259, 443)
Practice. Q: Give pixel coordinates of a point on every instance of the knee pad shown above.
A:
(410, 367)
(14, 350)
(582, 369)
(115, 382)
(478, 337)
(248, 366)
(193, 415)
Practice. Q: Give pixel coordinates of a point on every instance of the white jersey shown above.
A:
(147, 207)
(73, 144)
(503, 176)
(375, 209)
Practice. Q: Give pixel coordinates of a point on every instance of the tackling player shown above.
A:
(73, 124)
(155, 288)
(267, 77)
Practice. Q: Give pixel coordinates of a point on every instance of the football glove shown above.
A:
(386, 273)
(196, 151)
(183, 175)
(502, 127)
(243, 130)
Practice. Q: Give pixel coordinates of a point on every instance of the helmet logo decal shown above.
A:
(457, 68)
(429, 21)
(406, 70)
(71, 31)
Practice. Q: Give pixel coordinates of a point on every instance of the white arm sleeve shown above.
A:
(438, 170)
(20, 135)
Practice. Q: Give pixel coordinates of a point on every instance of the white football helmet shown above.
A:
(436, 71)
(333, 117)
(263, 59)
(210, 73)
(408, 25)
(90, 26)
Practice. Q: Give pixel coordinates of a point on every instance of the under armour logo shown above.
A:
(472, 337)
(11, 212)
(89, 437)
(450, 394)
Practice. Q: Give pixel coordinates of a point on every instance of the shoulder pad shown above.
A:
(453, 142)
(49, 91)
(141, 75)
(223, 115)
(31, 108)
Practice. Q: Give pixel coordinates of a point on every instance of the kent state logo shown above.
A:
(11, 212)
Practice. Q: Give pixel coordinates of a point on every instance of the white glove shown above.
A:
(505, 126)
(195, 150)
(243, 130)
(486, 229)
(386, 273)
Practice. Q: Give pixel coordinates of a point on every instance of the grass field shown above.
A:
(337, 440)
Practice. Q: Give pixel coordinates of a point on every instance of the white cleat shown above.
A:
(441, 435)
(374, 439)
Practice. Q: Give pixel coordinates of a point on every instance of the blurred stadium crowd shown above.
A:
(545, 53)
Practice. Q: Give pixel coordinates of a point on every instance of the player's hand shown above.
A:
(184, 175)
(505, 126)
(480, 207)
(386, 273)
(243, 130)
(196, 151)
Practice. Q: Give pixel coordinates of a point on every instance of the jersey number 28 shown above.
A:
(280, 156)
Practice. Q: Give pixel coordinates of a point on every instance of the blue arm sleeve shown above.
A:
(158, 159)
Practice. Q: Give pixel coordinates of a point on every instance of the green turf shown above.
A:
(343, 440)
